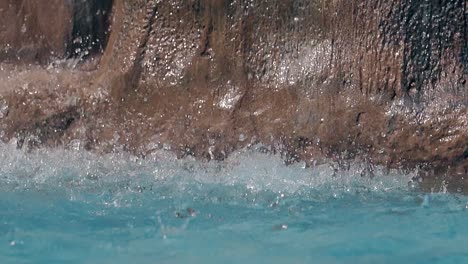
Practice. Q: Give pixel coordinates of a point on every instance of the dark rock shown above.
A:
(51, 128)
(91, 21)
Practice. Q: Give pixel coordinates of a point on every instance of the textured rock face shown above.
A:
(35, 31)
(383, 81)
(31, 30)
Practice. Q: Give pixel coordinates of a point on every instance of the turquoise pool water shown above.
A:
(75, 207)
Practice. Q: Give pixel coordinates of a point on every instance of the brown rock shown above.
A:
(380, 81)
(34, 30)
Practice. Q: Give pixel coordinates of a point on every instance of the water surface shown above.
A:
(69, 206)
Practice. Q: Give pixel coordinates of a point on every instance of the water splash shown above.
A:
(161, 209)
(249, 169)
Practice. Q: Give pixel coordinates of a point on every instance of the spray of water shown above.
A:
(247, 169)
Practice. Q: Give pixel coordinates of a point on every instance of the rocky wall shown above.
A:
(383, 81)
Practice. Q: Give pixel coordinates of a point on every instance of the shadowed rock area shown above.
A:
(377, 81)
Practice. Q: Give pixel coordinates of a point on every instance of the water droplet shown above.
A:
(242, 137)
(3, 109)
(425, 202)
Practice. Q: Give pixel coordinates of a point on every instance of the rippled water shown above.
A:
(68, 206)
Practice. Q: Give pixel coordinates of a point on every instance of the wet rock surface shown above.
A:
(379, 81)
(32, 31)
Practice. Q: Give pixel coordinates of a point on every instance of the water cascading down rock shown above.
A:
(373, 80)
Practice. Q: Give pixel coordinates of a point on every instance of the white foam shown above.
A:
(249, 168)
